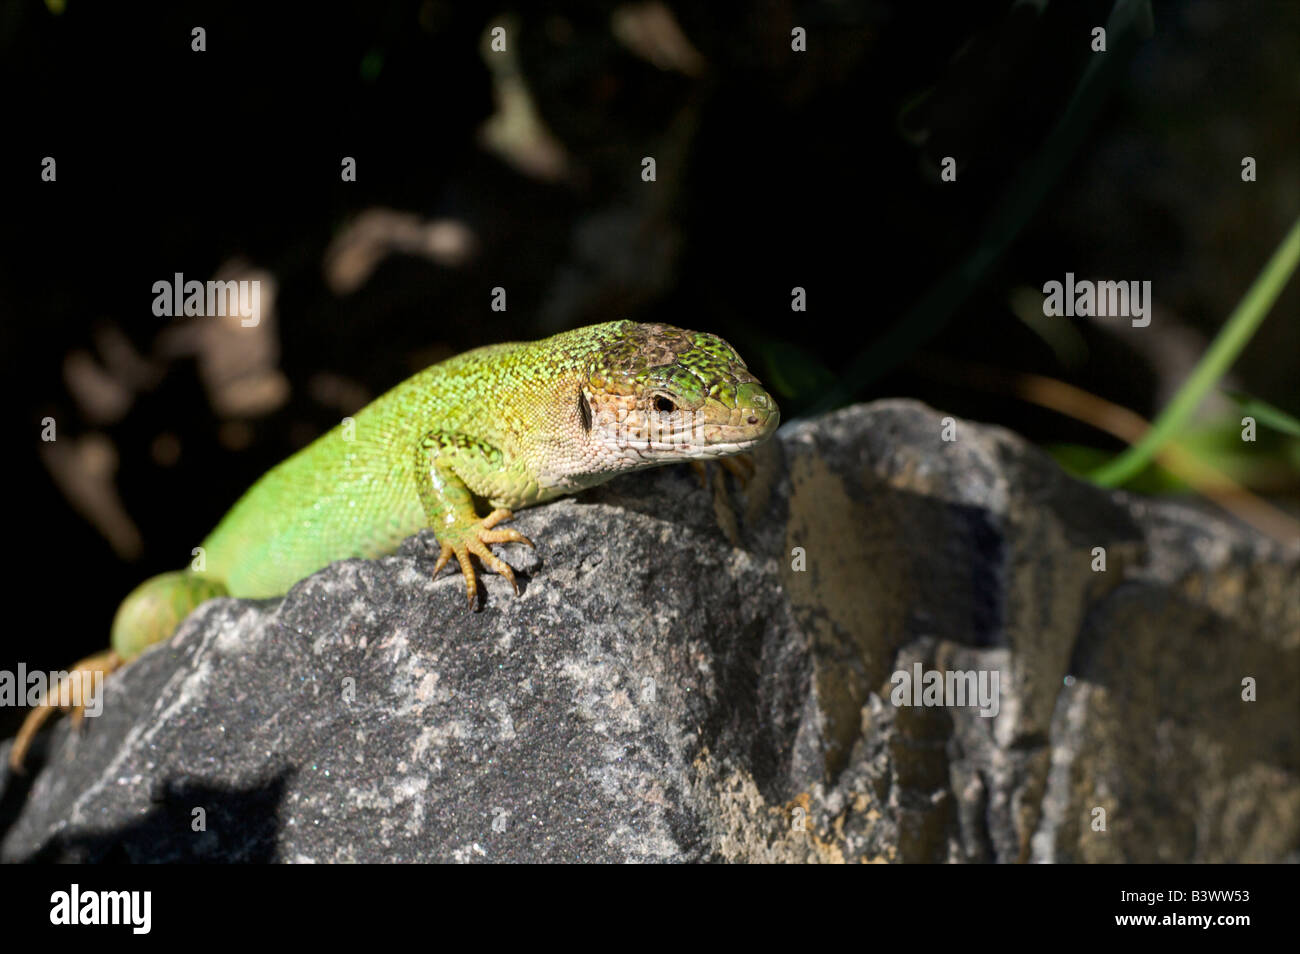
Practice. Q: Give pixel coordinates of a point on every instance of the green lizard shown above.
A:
(511, 425)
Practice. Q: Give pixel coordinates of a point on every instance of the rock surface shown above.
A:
(698, 676)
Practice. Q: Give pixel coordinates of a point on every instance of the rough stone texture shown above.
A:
(668, 687)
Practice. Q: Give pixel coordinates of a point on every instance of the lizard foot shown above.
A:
(102, 663)
(474, 539)
(740, 466)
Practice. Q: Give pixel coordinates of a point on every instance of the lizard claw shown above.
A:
(474, 540)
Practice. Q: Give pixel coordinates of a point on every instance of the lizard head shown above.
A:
(655, 394)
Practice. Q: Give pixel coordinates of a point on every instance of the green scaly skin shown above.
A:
(510, 424)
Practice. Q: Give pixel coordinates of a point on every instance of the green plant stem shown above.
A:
(1223, 351)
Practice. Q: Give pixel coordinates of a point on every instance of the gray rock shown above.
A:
(669, 687)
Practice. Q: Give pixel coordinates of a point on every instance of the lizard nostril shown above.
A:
(753, 420)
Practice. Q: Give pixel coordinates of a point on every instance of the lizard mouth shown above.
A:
(720, 449)
(702, 438)
(720, 440)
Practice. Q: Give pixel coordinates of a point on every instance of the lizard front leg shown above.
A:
(449, 506)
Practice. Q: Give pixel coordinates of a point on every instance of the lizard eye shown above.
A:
(663, 405)
(584, 412)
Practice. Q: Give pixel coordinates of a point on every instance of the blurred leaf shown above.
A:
(1065, 340)
(1265, 413)
(1269, 464)
(789, 370)
(1078, 460)
(796, 373)
(372, 64)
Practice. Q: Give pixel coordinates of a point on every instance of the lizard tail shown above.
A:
(156, 607)
(149, 615)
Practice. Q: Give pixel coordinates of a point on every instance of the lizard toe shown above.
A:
(500, 515)
(467, 571)
(504, 536)
(494, 562)
(444, 557)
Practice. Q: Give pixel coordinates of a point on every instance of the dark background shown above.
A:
(775, 169)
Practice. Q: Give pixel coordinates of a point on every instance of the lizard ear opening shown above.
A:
(584, 411)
